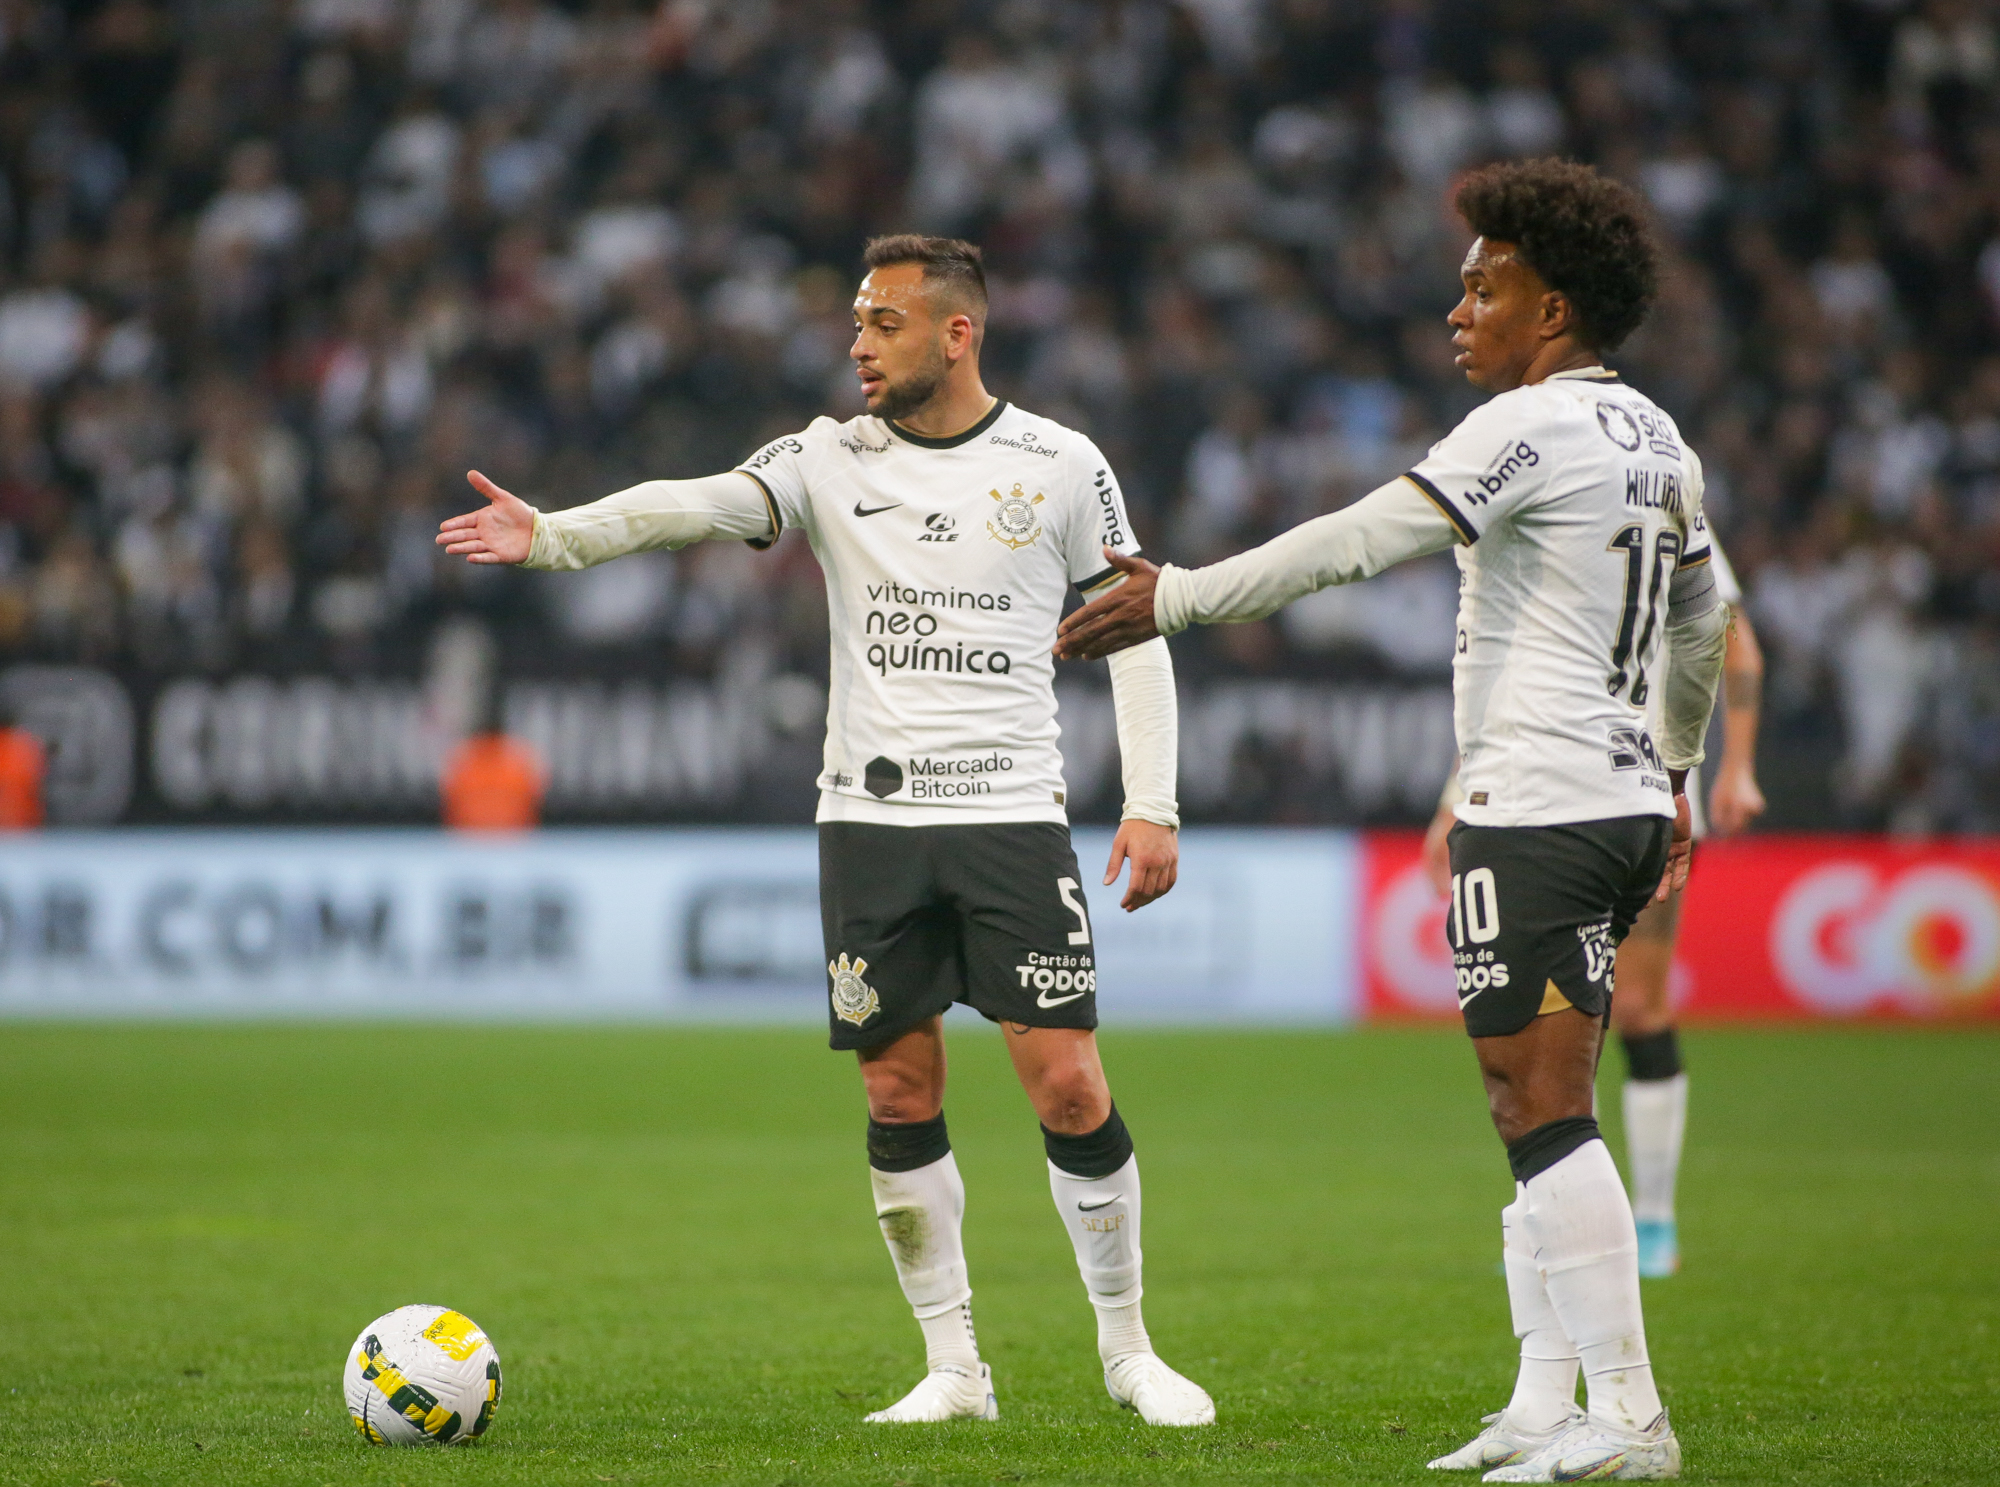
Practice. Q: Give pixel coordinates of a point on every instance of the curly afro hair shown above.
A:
(1585, 234)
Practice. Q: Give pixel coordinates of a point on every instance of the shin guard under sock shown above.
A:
(1094, 1180)
(921, 1210)
(1579, 1226)
(1545, 1388)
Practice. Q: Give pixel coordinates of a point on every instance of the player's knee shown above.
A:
(1072, 1098)
(902, 1106)
(900, 1097)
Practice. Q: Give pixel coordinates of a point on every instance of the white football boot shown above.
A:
(1596, 1452)
(1501, 1444)
(945, 1394)
(1141, 1382)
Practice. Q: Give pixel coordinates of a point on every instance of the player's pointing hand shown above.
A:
(499, 532)
(1113, 621)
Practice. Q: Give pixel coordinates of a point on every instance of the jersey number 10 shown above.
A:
(1666, 551)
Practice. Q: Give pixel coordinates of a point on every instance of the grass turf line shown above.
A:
(668, 1235)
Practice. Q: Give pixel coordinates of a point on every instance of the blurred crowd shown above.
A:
(273, 276)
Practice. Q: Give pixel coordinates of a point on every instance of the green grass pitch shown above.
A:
(667, 1233)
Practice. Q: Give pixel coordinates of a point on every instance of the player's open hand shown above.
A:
(1734, 802)
(1679, 854)
(1113, 621)
(1155, 854)
(500, 532)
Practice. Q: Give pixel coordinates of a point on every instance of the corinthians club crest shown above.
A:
(854, 1000)
(1015, 523)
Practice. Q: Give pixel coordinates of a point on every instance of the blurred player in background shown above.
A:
(1642, 1011)
(950, 526)
(1588, 628)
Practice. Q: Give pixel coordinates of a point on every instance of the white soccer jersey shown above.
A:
(1575, 499)
(947, 562)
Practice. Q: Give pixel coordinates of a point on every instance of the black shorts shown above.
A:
(919, 917)
(1537, 913)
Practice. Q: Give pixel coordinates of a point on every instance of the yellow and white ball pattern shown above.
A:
(421, 1376)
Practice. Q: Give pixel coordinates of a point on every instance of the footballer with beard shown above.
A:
(950, 526)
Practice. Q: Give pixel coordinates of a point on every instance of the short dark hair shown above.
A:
(950, 264)
(1585, 234)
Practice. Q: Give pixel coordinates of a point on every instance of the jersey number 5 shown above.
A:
(1629, 650)
(1067, 888)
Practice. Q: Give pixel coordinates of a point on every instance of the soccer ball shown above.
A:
(421, 1376)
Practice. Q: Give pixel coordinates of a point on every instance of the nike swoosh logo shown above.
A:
(860, 510)
(1465, 1001)
(1088, 1207)
(1045, 1000)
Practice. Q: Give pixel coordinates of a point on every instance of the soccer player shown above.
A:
(1655, 1094)
(1589, 642)
(949, 526)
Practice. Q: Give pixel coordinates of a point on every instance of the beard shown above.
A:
(901, 399)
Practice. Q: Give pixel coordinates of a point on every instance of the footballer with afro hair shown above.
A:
(1590, 640)
(1577, 245)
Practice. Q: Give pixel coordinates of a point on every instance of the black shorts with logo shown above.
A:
(1537, 913)
(919, 917)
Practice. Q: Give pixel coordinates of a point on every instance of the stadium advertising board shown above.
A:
(1774, 927)
(668, 923)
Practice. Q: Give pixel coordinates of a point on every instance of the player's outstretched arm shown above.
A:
(1142, 695)
(651, 515)
(1116, 620)
(1388, 525)
(501, 531)
(1735, 799)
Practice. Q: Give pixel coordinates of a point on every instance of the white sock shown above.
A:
(922, 1214)
(1545, 1389)
(1102, 1216)
(1655, 1122)
(1580, 1226)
